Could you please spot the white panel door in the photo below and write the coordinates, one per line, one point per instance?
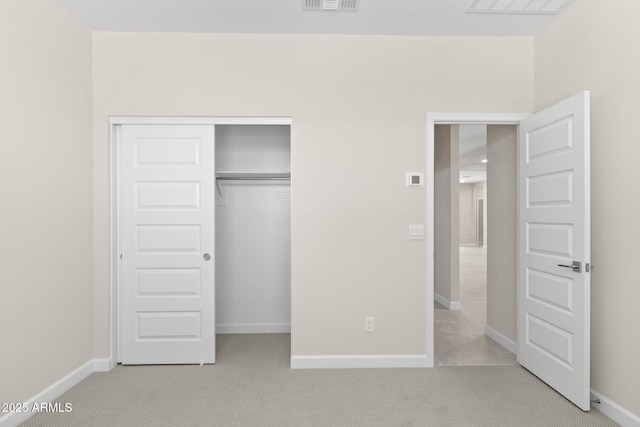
(167, 242)
(554, 233)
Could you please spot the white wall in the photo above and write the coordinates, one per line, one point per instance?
(359, 106)
(594, 46)
(45, 197)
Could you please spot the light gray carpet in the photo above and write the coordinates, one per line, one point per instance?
(252, 385)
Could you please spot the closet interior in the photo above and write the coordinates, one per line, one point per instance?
(253, 228)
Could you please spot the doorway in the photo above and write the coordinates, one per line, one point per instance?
(461, 332)
(455, 119)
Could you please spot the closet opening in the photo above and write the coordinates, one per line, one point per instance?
(253, 229)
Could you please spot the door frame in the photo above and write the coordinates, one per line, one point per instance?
(434, 119)
(115, 126)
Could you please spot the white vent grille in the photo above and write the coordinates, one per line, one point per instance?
(331, 5)
(540, 7)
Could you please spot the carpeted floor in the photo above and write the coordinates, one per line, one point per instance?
(252, 385)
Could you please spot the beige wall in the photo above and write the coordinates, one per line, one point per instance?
(502, 250)
(594, 46)
(467, 227)
(480, 192)
(446, 215)
(469, 195)
(359, 106)
(45, 197)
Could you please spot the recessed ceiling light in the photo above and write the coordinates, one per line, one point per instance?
(484, 160)
(543, 7)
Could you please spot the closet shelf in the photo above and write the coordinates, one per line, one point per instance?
(221, 176)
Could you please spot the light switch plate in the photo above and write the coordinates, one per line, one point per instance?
(416, 231)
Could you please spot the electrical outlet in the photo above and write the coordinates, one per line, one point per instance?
(368, 324)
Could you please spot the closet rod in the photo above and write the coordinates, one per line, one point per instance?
(255, 178)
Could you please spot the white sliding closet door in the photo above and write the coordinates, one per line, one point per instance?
(167, 240)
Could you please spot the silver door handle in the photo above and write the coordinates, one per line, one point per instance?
(575, 266)
(206, 257)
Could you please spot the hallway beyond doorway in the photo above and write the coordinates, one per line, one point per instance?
(459, 334)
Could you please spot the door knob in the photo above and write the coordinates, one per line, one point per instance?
(575, 266)
(206, 257)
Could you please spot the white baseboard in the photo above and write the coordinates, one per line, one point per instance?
(501, 339)
(352, 362)
(614, 411)
(49, 394)
(253, 328)
(451, 305)
(103, 365)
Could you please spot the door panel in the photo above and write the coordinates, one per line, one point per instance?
(168, 239)
(549, 239)
(167, 227)
(550, 340)
(550, 189)
(554, 231)
(168, 281)
(550, 289)
(550, 139)
(168, 195)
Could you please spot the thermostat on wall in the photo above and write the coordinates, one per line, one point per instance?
(415, 179)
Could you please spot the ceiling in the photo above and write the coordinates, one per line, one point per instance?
(373, 17)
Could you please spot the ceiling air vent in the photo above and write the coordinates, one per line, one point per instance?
(538, 7)
(331, 5)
